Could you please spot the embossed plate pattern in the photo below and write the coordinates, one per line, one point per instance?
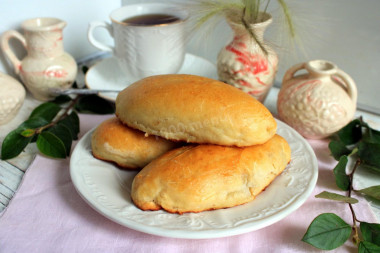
(107, 189)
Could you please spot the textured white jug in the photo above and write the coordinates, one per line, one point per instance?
(318, 103)
(12, 95)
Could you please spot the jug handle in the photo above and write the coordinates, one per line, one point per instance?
(349, 83)
(6, 36)
(347, 80)
(290, 72)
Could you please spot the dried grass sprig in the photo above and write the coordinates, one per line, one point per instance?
(247, 12)
(288, 17)
(252, 33)
(204, 10)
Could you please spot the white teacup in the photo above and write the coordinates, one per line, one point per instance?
(145, 50)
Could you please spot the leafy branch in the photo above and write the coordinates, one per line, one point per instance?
(356, 146)
(53, 126)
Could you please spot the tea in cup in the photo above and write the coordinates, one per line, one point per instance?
(149, 38)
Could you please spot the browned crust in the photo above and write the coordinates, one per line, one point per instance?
(129, 148)
(208, 177)
(195, 109)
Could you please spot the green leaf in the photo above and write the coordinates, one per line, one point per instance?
(368, 247)
(373, 191)
(32, 124)
(369, 167)
(50, 145)
(28, 132)
(370, 232)
(46, 111)
(374, 136)
(370, 135)
(14, 143)
(61, 99)
(327, 231)
(336, 197)
(34, 139)
(74, 118)
(370, 153)
(351, 133)
(72, 124)
(64, 134)
(94, 104)
(338, 149)
(342, 180)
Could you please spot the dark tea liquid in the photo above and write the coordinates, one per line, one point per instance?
(151, 19)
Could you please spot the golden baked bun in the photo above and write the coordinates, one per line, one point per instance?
(195, 109)
(129, 148)
(206, 177)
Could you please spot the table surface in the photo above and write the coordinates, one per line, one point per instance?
(12, 171)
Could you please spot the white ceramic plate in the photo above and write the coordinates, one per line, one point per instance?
(107, 189)
(107, 75)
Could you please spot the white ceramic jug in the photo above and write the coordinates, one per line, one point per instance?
(46, 64)
(318, 103)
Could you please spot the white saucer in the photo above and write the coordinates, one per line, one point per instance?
(107, 75)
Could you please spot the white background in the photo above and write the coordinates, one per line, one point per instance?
(346, 32)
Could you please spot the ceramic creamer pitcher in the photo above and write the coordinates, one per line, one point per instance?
(318, 103)
(46, 64)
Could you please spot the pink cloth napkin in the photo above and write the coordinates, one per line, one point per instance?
(48, 215)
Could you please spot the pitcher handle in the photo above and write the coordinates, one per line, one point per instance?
(290, 72)
(6, 36)
(95, 42)
(349, 83)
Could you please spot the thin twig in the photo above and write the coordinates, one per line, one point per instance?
(350, 189)
(63, 115)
